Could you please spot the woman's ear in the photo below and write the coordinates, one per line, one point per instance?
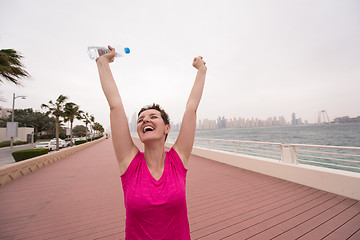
(167, 128)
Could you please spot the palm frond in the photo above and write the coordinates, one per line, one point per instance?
(11, 68)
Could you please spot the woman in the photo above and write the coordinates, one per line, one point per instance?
(153, 181)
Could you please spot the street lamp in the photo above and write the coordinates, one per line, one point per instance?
(12, 114)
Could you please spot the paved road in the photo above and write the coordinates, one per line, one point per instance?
(5, 153)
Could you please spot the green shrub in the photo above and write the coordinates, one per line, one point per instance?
(20, 143)
(62, 135)
(7, 143)
(47, 136)
(28, 153)
(4, 144)
(80, 142)
(98, 137)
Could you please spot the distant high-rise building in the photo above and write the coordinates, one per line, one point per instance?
(293, 119)
(221, 122)
(282, 121)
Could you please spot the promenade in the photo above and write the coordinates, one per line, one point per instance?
(81, 197)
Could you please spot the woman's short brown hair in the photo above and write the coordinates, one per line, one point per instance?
(157, 107)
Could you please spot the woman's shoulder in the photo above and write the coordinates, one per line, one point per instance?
(173, 153)
(134, 163)
(174, 157)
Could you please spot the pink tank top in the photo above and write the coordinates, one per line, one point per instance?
(156, 209)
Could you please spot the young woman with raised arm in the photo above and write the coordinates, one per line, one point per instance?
(154, 180)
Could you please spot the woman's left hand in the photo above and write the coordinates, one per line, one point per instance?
(199, 63)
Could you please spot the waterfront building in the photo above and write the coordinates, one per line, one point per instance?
(293, 119)
(347, 119)
(223, 122)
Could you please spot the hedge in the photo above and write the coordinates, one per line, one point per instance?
(88, 140)
(7, 143)
(80, 142)
(28, 153)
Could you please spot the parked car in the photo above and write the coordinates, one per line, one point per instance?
(68, 140)
(62, 143)
(47, 145)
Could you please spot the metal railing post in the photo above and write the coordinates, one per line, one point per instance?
(288, 154)
(294, 155)
(235, 150)
(282, 154)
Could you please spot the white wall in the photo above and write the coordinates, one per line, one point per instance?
(22, 133)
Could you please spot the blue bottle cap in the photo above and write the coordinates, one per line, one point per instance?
(127, 50)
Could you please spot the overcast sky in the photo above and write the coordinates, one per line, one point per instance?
(264, 58)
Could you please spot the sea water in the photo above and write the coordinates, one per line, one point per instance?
(325, 134)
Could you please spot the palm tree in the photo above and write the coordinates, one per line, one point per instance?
(98, 127)
(87, 120)
(56, 109)
(71, 111)
(11, 68)
(92, 120)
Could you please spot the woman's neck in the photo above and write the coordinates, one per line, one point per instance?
(155, 156)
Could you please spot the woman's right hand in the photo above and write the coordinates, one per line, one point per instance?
(199, 63)
(109, 57)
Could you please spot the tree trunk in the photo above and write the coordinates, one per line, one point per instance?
(71, 141)
(57, 132)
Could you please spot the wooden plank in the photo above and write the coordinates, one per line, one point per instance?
(312, 224)
(347, 231)
(347, 211)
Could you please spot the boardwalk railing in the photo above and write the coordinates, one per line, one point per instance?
(335, 157)
(261, 149)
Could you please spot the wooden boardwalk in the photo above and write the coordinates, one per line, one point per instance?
(81, 197)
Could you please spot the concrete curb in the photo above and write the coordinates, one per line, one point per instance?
(13, 171)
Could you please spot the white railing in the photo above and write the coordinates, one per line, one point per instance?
(262, 149)
(336, 157)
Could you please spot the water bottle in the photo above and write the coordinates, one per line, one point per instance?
(95, 52)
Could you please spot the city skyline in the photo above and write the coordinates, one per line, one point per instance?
(239, 122)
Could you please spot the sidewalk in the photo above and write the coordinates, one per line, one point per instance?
(81, 197)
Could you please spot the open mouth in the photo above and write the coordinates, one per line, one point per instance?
(148, 129)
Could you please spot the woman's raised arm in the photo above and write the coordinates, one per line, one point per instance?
(185, 140)
(125, 148)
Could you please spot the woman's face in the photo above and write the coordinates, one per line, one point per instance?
(150, 126)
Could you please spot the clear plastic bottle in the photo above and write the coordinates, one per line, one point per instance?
(95, 52)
